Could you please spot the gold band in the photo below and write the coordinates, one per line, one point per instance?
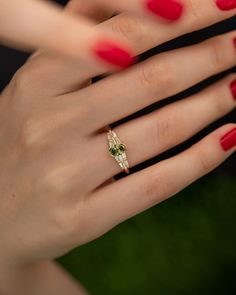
(117, 150)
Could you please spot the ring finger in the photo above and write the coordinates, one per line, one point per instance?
(150, 135)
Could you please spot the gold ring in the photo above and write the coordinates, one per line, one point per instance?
(117, 150)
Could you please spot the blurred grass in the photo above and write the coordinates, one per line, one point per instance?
(186, 245)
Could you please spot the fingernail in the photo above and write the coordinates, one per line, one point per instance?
(113, 54)
(234, 42)
(226, 4)
(233, 88)
(228, 141)
(168, 9)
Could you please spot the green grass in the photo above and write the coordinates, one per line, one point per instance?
(186, 245)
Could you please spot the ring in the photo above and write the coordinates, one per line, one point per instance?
(117, 150)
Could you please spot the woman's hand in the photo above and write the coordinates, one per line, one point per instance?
(56, 172)
(36, 23)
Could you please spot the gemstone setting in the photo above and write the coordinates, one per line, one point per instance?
(117, 149)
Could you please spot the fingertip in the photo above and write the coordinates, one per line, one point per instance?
(228, 139)
(114, 54)
(170, 10)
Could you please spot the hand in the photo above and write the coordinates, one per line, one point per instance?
(35, 23)
(54, 159)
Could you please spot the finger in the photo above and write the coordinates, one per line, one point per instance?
(138, 192)
(144, 36)
(61, 75)
(167, 10)
(161, 130)
(92, 10)
(39, 24)
(155, 79)
(199, 14)
(66, 77)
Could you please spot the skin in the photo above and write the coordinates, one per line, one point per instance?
(56, 182)
(31, 24)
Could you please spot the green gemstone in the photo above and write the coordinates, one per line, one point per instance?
(113, 151)
(122, 148)
(117, 150)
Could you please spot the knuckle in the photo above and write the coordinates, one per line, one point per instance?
(163, 131)
(152, 74)
(127, 26)
(147, 77)
(32, 133)
(196, 10)
(38, 127)
(201, 17)
(56, 182)
(216, 49)
(63, 178)
(221, 104)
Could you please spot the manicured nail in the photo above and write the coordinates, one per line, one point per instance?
(168, 9)
(234, 42)
(226, 4)
(228, 141)
(113, 54)
(233, 88)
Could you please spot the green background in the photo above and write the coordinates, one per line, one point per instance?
(186, 245)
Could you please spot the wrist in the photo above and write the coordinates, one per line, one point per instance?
(14, 276)
(44, 277)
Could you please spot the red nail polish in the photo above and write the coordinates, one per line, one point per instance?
(113, 54)
(234, 42)
(168, 9)
(233, 88)
(226, 4)
(228, 141)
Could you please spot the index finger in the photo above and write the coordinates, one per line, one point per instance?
(32, 24)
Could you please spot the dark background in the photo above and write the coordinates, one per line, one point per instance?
(185, 245)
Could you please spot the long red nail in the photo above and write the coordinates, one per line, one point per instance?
(113, 54)
(233, 88)
(228, 141)
(226, 4)
(168, 9)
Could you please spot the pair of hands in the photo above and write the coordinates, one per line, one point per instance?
(72, 32)
(36, 23)
(56, 182)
